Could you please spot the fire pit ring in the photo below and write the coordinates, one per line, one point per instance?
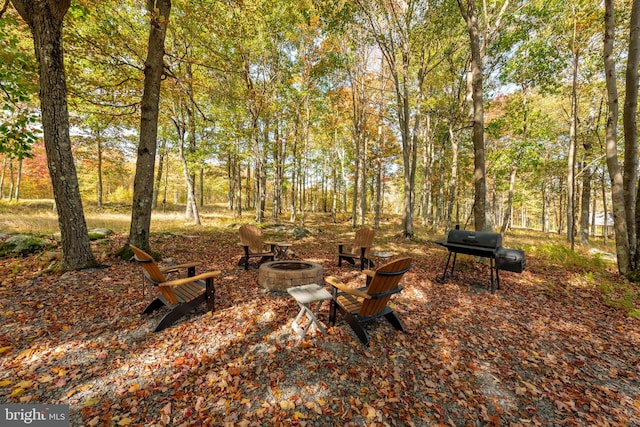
(281, 275)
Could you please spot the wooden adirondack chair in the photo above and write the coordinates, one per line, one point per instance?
(359, 306)
(181, 295)
(359, 248)
(251, 241)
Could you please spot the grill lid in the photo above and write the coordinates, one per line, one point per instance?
(475, 238)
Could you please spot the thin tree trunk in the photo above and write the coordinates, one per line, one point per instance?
(18, 180)
(512, 186)
(231, 181)
(145, 163)
(427, 161)
(604, 209)
(4, 169)
(453, 179)
(631, 133)
(573, 132)
(99, 187)
(201, 186)
(593, 216)
(158, 181)
(543, 195)
(12, 181)
(363, 183)
(617, 187)
(192, 206)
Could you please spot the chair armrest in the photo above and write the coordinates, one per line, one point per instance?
(186, 280)
(174, 268)
(344, 288)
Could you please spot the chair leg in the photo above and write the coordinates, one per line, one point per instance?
(332, 308)
(177, 313)
(154, 305)
(395, 321)
(348, 259)
(210, 293)
(357, 328)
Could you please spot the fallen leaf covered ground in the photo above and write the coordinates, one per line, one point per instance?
(540, 351)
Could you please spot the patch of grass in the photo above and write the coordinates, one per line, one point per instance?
(560, 254)
(623, 296)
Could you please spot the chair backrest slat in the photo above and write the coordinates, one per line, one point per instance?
(364, 238)
(385, 279)
(251, 236)
(151, 269)
(153, 273)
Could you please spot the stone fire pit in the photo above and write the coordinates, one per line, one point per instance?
(280, 275)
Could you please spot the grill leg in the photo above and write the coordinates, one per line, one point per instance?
(446, 267)
(493, 268)
(453, 266)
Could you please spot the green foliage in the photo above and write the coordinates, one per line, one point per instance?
(121, 195)
(18, 87)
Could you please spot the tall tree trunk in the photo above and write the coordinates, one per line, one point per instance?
(201, 186)
(4, 170)
(427, 162)
(358, 115)
(585, 204)
(437, 220)
(99, 188)
(469, 13)
(45, 18)
(587, 174)
(593, 213)
(453, 180)
(239, 185)
(605, 225)
(153, 70)
(191, 212)
(294, 168)
(158, 181)
(18, 179)
(363, 182)
(512, 187)
(573, 136)
(631, 131)
(277, 173)
(617, 187)
(191, 208)
(545, 203)
(506, 222)
(12, 181)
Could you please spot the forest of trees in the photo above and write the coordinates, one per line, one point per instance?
(488, 114)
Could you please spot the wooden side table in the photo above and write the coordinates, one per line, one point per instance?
(280, 250)
(381, 257)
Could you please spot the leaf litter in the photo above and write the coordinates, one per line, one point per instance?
(522, 356)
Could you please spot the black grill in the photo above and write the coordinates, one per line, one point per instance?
(474, 239)
(482, 244)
